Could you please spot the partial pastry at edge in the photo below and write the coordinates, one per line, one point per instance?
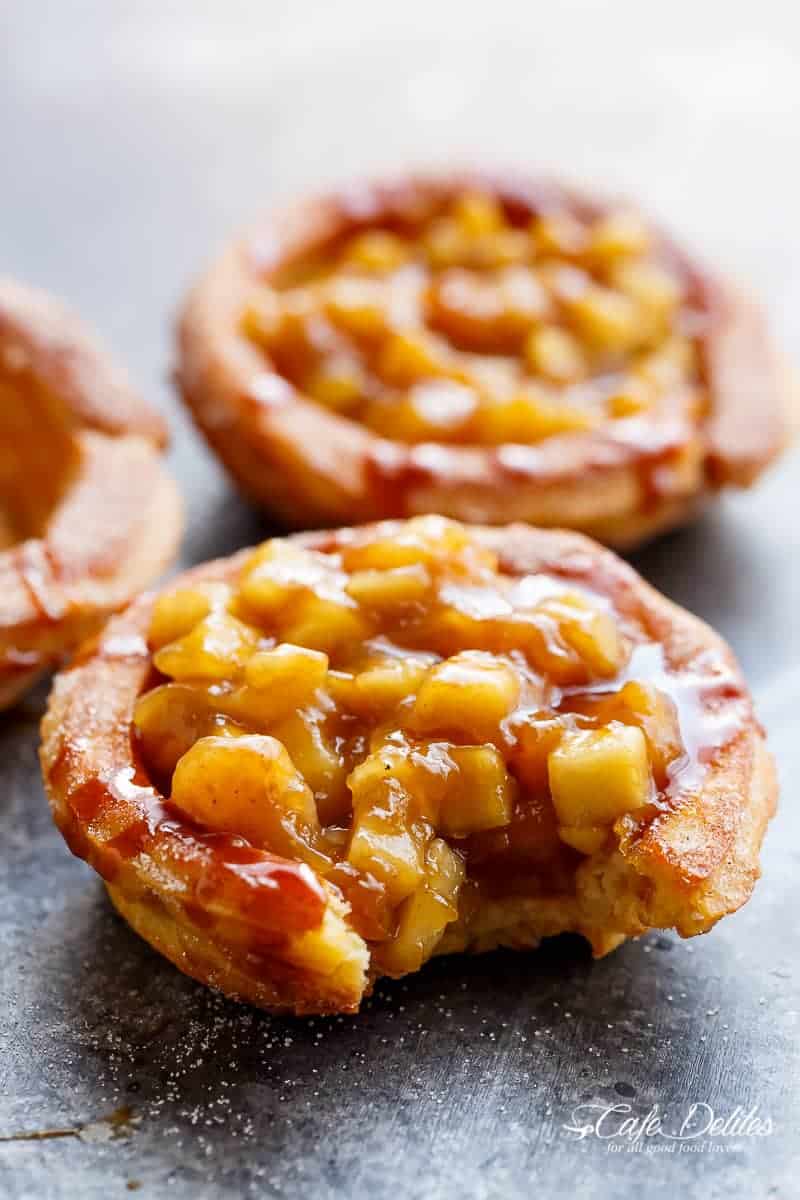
(88, 514)
(492, 348)
(322, 761)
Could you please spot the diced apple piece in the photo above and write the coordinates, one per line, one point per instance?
(655, 713)
(505, 248)
(424, 916)
(376, 250)
(383, 553)
(393, 856)
(607, 319)
(296, 670)
(448, 628)
(486, 314)
(276, 683)
(383, 845)
(585, 838)
(559, 235)
(261, 317)
(176, 613)
(300, 336)
(370, 915)
(471, 692)
(591, 631)
(333, 948)
(480, 796)
(555, 353)
(407, 357)
(324, 768)
(618, 235)
(477, 213)
(475, 234)
(324, 623)
(536, 736)
(655, 291)
(445, 243)
(390, 589)
(596, 775)
(438, 537)
(528, 417)
(421, 540)
(250, 786)
(538, 635)
(337, 383)
(634, 397)
(445, 871)
(383, 685)
(168, 721)
(218, 647)
(358, 307)
(403, 779)
(275, 573)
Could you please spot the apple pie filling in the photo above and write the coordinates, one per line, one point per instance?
(426, 732)
(476, 325)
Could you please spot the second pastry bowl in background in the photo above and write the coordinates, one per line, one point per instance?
(490, 347)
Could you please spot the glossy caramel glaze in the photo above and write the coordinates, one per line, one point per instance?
(89, 512)
(489, 348)
(434, 688)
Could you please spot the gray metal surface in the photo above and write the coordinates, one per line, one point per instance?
(133, 137)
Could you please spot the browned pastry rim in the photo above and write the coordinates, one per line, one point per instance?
(219, 908)
(93, 515)
(311, 466)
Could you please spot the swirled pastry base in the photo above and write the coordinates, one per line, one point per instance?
(275, 932)
(312, 463)
(90, 515)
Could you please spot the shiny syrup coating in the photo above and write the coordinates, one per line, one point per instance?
(474, 604)
(525, 323)
(113, 814)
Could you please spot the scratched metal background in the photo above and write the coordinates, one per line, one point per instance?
(133, 137)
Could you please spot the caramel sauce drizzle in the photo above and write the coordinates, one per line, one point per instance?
(224, 873)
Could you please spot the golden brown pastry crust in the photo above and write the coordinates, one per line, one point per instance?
(220, 909)
(94, 516)
(311, 466)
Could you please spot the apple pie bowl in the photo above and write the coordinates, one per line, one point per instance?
(492, 349)
(324, 760)
(88, 515)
